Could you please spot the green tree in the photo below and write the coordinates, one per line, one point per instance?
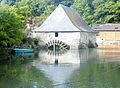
(109, 12)
(85, 8)
(11, 25)
(37, 7)
(64, 2)
(98, 11)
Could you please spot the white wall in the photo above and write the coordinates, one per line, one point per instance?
(72, 38)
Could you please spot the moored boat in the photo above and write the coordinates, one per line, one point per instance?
(18, 50)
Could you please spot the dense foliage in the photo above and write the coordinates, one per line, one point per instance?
(98, 11)
(14, 14)
(12, 21)
(93, 11)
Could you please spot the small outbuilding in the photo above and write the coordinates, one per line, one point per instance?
(108, 36)
(64, 28)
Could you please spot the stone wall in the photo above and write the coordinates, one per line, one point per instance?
(87, 40)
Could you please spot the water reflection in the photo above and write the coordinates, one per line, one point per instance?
(57, 53)
(70, 57)
(109, 55)
(96, 75)
(68, 63)
(22, 76)
(85, 68)
(24, 54)
(58, 74)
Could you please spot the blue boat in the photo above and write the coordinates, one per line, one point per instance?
(17, 50)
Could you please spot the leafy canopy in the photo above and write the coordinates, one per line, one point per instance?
(12, 21)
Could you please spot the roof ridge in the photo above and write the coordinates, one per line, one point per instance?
(72, 21)
(63, 7)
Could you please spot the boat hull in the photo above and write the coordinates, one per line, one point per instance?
(17, 50)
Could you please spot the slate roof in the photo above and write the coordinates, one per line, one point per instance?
(64, 19)
(107, 27)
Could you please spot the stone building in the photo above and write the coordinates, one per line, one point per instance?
(108, 36)
(64, 28)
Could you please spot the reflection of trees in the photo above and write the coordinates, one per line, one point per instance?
(96, 75)
(22, 76)
(4, 56)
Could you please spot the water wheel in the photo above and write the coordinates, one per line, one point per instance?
(60, 47)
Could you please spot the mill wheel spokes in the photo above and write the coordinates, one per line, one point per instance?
(60, 47)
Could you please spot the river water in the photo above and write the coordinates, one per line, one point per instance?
(85, 68)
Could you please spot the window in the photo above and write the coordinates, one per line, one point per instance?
(56, 34)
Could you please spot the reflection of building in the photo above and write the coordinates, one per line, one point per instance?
(68, 64)
(66, 25)
(58, 74)
(109, 35)
(69, 57)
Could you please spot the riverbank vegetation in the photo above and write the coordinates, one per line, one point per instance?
(17, 16)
